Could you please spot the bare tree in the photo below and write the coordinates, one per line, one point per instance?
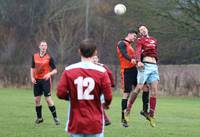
(63, 26)
(185, 14)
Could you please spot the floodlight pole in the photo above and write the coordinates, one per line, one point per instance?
(87, 18)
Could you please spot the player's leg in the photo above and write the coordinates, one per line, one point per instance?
(154, 88)
(52, 108)
(130, 80)
(124, 98)
(133, 97)
(153, 98)
(153, 79)
(145, 101)
(124, 106)
(106, 117)
(141, 78)
(37, 98)
(49, 100)
(38, 109)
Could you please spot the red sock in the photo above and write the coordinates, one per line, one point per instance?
(152, 106)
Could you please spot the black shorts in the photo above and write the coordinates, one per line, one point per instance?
(130, 79)
(42, 86)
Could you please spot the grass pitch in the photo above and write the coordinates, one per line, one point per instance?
(176, 117)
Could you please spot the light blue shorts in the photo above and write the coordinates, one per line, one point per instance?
(149, 74)
(83, 135)
(102, 99)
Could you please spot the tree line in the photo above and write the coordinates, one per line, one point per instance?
(62, 23)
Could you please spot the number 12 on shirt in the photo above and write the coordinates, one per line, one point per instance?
(87, 82)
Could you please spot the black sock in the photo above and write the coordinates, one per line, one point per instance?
(124, 106)
(38, 111)
(145, 100)
(53, 111)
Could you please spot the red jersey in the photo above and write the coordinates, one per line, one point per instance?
(146, 46)
(85, 82)
(125, 59)
(42, 65)
(109, 74)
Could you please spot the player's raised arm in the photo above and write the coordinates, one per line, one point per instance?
(138, 50)
(139, 54)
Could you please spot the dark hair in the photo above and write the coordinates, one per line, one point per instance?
(141, 24)
(132, 31)
(42, 41)
(87, 48)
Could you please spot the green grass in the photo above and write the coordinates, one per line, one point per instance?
(176, 117)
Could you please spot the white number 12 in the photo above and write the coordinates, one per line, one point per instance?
(86, 82)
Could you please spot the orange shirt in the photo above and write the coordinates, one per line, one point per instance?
(124, 62)
(42, 65)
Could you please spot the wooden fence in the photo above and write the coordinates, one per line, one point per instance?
(175, 80)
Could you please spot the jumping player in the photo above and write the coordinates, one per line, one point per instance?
(126, 55)
(147, 71)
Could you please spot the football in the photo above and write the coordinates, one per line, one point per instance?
(120, 9)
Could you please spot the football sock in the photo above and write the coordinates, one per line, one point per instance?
(152, 106)
(53, 111)
(145, 100)
(132, 100)
(38, 111)
(124, 106)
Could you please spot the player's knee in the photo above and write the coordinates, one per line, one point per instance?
(126, 95)
(153, 93)
(138, 88)
(37, 101)
(49, 101)
(145, 88)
